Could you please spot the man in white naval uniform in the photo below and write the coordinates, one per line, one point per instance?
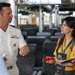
(10, 40)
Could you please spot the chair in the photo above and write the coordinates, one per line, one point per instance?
(58, 34)
(46, 34)
(54, 38)
(26, 64)
(38, 40)
(24, 34)
(48, 49)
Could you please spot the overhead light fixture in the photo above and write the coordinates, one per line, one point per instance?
(40, 1)
(64, 12)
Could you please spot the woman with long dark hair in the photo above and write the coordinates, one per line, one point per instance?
(65, 48)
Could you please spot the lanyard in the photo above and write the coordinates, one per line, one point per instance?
(67, 46)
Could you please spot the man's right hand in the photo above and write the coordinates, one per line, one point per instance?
(4, 57)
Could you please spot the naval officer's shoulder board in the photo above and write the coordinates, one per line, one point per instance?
(15, 26)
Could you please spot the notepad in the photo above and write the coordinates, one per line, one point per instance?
(67, 61)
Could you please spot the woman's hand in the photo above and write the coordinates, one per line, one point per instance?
(58, 61)
(73, 61)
